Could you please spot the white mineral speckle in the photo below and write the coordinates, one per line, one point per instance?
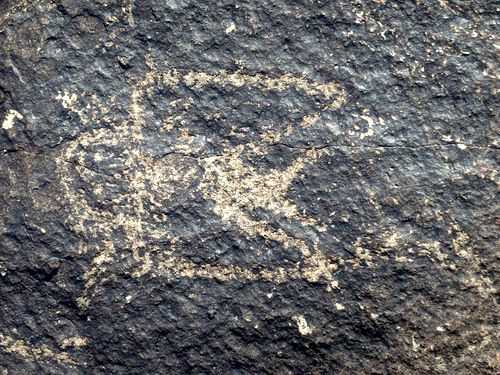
(302, 324)
(9, 120)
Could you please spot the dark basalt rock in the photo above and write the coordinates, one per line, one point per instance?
(250, 187)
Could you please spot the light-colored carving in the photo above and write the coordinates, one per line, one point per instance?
(234, 186)
(34, 353)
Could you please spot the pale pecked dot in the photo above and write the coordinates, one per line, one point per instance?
(302, 325)
(9, 119)
(230, 28)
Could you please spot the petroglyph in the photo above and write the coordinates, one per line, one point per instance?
(135, 185)
(125, 178)
(261, 182)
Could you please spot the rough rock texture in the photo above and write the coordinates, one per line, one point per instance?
(249, 187)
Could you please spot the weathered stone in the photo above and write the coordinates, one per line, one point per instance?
(218, 187)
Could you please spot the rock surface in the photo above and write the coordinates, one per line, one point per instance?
(249, 187)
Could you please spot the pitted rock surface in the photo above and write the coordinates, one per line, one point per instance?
(249, 187)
